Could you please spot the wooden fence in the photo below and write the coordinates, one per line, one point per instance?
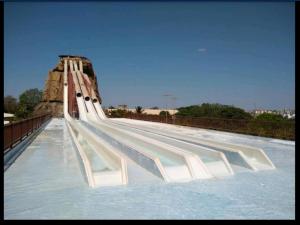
(280, 129)
(15, 132)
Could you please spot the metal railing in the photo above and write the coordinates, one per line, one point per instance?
(15, 132)
(280, 129)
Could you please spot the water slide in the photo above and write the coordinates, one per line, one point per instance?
(95, 100)
(102, 164)
(87, 107)
(79, 99)
(174, 163)
(164, 153)
(86, 84)
(170, 162)
(215, 161)
(242, 155)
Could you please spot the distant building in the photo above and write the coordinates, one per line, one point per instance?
(124, 107)
(290, 114)
(147, 111)
(257, 112)
(156, 111)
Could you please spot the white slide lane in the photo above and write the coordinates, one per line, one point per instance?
(103, 165)
(215, 161)
(250, 157)
(79, 98)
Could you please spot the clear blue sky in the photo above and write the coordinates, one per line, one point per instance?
(231, 53)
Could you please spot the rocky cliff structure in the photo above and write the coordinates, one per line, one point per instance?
(52, 101)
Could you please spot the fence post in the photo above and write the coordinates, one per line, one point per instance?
(20, 135)
(12, 138)
(21, 130)
(26, 130)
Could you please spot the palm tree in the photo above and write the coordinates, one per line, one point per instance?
(139, 109)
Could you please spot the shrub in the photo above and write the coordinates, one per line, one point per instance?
(163, 113)
(270, 117)
(214, 110)
(118, 113)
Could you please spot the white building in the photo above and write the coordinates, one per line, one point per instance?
(290, 114)
(8, 115)
(150, 111)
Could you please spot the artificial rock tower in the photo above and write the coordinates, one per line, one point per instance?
(52, 101)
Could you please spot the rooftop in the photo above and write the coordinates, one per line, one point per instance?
(72, 56)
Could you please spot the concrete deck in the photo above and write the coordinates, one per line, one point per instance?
(46, 182)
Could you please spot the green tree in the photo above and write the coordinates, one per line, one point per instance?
(214, 110)
(10, 104)
(30, 98)
(155, 107)
(22, 112)
(270, 117)
(139, 109)
(27, 101)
